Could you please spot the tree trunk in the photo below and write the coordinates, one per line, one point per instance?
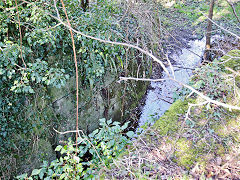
(209, 29)
(84, 4)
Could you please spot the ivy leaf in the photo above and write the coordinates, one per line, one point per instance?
(13, 88)
(67, 76)
(2, 71)
(63, 176)
(94, 133)
(130, 134)
(31, 90)
(47, 82)
(58, 148)
(44, 78)
(36, 172)
(41, 174)
(23, 176)
(115, 123)
(125, 125)
(102, 121)
(109, 122)
(91, 83)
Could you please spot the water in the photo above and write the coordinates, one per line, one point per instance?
(160, 97)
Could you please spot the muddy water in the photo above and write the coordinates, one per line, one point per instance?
(160, 97)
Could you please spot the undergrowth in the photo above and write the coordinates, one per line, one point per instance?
(202, 144)
(95, 151)
(177, 147)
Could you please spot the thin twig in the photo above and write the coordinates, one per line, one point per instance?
(234, 11)
(139, 79)
(16, 7)
(228, 106)
(171, 67)
(20, 33)
(52, 27)
(234, 72)
(76, 67)
(77, 132)
(114, 43)
(55, 6)
(66, 132)
(220, 26)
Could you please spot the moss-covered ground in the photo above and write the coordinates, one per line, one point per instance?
(205, 143)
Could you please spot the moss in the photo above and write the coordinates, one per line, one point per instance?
(126, 153)
(103, 176)
(231, 128)
(168, 122)
(40, 150)
(185, 153)
(233, 60)
(202, 147)
(214, 132)
(220, 150)
(139, 89)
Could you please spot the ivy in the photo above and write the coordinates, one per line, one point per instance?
(46, 50)
(104, 144)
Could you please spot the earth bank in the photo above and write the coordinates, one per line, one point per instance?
(192, 140)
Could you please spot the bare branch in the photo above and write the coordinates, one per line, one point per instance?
(76, 68)
(139, 79)
(234, 10)
(220, 26)
(188, 113)
(67, 132)
(171, 67)
(234, 72)
(55, 6)
(114, 43)
(228, 106)
(78, 133)
(20, 33)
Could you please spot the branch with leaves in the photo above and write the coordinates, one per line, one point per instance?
(231, 107)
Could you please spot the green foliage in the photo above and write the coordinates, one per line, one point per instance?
(96, 57)
(16, 85)
(231, 60)
(103, 145)
(196, 12)
(47, 52)
(24, 80)
(209, 79)
(194, 6)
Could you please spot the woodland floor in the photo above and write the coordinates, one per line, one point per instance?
(207, 145)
